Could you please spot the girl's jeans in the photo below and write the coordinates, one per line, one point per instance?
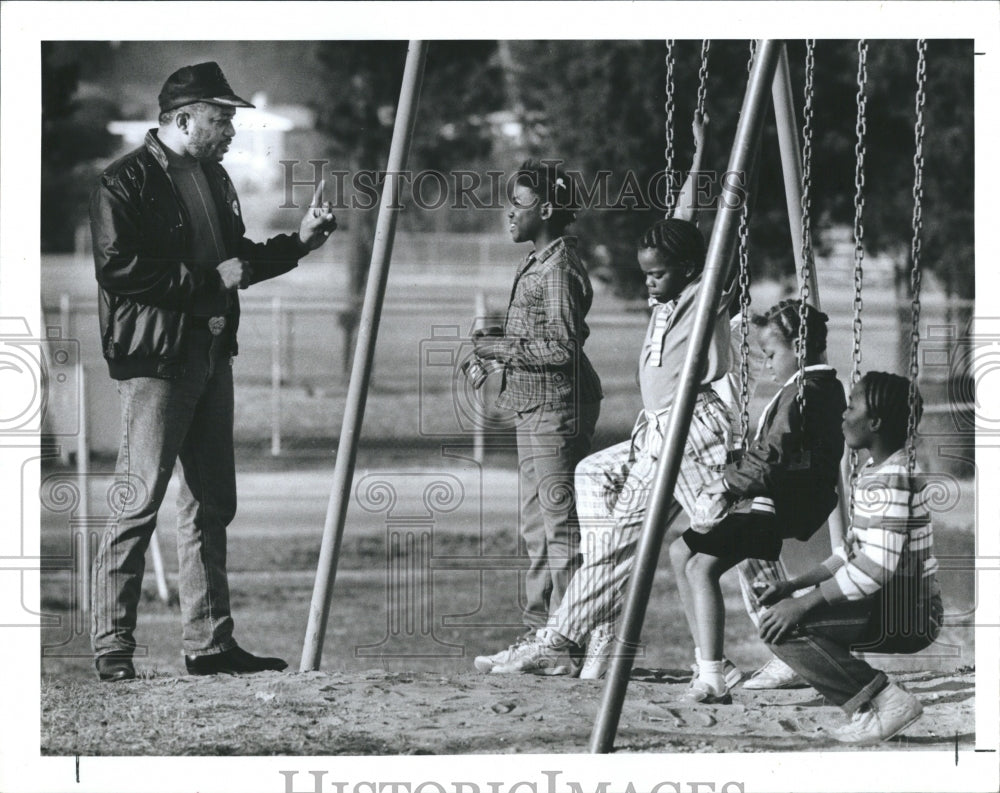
(189, 418)
(884, 623)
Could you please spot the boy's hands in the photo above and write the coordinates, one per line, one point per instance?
(773, 591)
(779, 620)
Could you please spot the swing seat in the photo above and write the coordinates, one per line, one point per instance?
(906, 617)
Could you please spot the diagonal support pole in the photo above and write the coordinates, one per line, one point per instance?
(364, 355)
(721, 249)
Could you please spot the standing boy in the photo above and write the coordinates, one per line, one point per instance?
(547, 381)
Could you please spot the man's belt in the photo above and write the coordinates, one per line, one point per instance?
(214, 325)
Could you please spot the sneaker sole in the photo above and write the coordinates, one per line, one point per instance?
(553, 671)
(712, 699)
(890, 736)
(749, 685)
(906, 726)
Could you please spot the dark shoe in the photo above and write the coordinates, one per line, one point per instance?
(112, 668)
(235, 661)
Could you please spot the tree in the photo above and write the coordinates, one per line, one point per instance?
(461, 83)
(606, 112)
(74, 139)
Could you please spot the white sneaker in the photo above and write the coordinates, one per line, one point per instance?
(887, 715)
(599, 647)
(485, 663)
(775, 674)
(549, 654)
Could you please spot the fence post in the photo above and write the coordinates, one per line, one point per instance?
(478, 439)
(288, 347)
(83, 475)
(275, 376)
(65, 318)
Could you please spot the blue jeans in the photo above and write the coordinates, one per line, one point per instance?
(189, 418)
(550, 443)
(820, 651)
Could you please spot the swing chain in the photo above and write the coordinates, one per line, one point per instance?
(859, 204)
(918, 195)
(805, 274)
(859, 230)
(744, 275)
(703, 76)
(668, 153)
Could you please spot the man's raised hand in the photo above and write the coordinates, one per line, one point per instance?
(319, 221)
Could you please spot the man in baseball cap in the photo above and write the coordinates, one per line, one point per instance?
(170, 253)
(203, 82)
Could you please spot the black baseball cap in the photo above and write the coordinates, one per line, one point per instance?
(203, 82)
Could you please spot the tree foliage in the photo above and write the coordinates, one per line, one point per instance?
(74, 138)
(604, 105)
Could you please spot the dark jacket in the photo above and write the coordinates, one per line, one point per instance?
(141, 240)
(799, 472)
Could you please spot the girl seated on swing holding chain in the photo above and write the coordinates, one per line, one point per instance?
(878, 591)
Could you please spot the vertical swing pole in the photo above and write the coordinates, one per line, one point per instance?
(791, 162)
(357, 391)
(791, 168)
(720, 254)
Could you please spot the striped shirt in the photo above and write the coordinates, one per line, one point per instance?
(890, 534)
(544, 331)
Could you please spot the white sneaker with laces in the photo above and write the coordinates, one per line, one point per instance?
(888, 714)
(775, 674)
(599, 647)
(549, 654)
(485, 663)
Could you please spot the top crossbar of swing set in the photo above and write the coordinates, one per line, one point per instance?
(769, 70)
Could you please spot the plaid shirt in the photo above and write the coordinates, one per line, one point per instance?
(544, 332)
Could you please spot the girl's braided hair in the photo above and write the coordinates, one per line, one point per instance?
(784, 319)
(678, 239)
(887, 398)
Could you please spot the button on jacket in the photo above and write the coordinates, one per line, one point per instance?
(147, 284)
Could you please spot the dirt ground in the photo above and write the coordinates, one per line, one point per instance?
(385, 713)
(397, 673)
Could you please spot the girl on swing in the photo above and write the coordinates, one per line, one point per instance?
(878, 591)
(784, 485)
